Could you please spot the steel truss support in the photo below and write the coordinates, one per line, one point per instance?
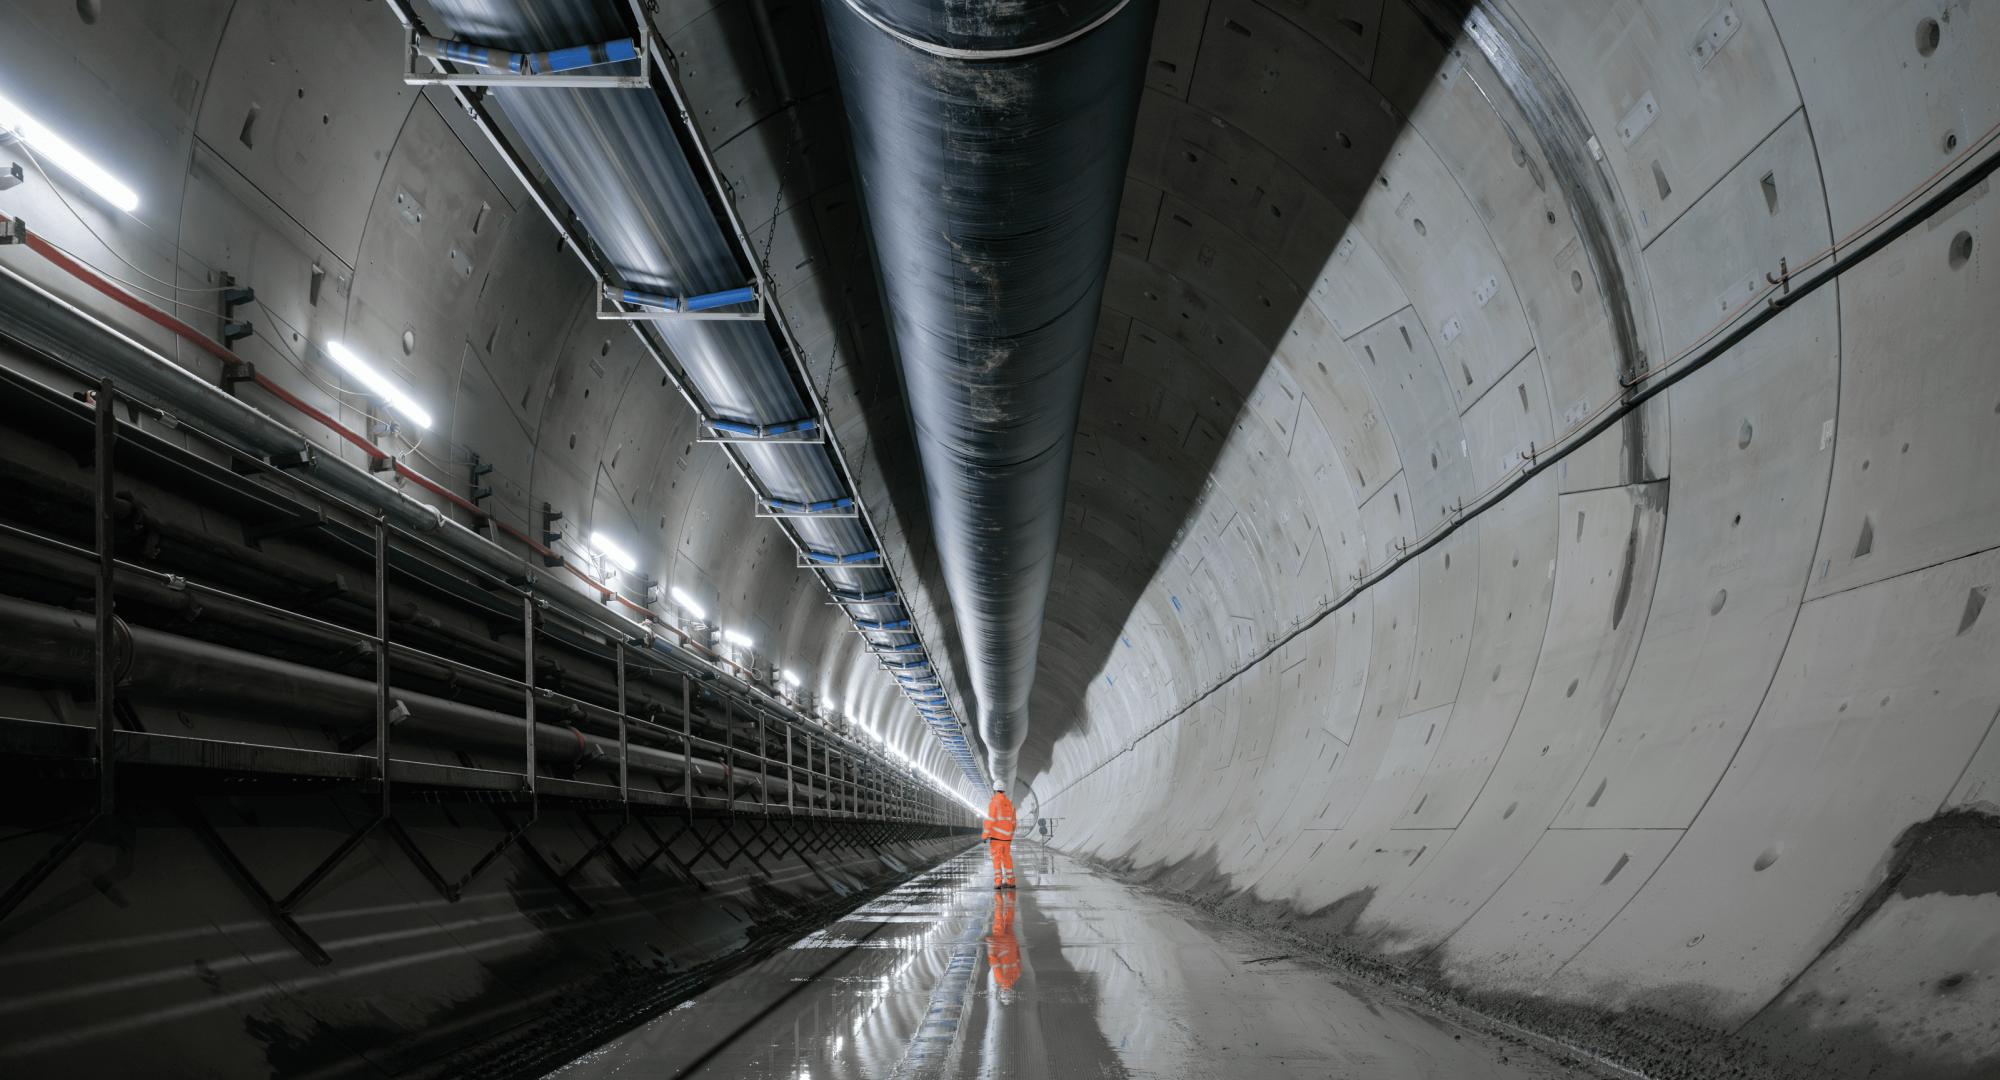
(278, 910)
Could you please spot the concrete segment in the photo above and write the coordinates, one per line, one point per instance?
(1685, 751)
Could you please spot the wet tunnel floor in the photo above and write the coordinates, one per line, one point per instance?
(1074, 975)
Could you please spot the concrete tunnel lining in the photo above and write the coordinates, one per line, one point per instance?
(1684, 748)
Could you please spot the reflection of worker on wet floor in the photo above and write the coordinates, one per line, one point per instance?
(999, 835)
(1003, 950)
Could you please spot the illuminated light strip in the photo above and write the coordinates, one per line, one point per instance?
(378, 384)
(687, 603)
(58, 152)
(618, 556)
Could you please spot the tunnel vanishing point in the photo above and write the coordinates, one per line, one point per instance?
(530, 531)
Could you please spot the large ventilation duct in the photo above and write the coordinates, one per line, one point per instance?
(991, 144)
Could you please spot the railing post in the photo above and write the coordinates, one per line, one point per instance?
(624, 771)
(687, 742)
(528, 677)
(763, 766)
(791, 783)
(107, 562)
(729, 751)
(382, 657)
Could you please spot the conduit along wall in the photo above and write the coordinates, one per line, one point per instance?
(478, 914)
(990, 149)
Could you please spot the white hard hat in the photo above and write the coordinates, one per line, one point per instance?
(999, 787)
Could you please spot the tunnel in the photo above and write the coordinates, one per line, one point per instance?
(563, 538)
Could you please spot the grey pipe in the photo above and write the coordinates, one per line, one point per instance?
(51, 643)
(45, 322)
(196, 602)
(991, 143)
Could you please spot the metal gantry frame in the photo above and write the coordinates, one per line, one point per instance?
(108, 744)
(659, 77)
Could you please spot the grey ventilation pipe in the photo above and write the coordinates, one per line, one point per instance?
(54, 644)
(991, 142)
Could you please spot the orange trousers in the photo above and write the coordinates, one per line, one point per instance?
(1003, 949)
(1003, 860)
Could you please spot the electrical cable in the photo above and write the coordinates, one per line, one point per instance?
(85, 222)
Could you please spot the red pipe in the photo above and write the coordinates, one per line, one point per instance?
(154, 315)
(145, 310)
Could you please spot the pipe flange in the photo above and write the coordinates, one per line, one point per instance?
(949, 52)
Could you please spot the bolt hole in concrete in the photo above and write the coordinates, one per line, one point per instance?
(88, 11)
(1764, 860)
(1950, 141)
(1721, 598)
(1576, 280)
(1929, 33)
(1961, 250)
(409, 342)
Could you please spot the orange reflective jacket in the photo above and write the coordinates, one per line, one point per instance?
(999, 818)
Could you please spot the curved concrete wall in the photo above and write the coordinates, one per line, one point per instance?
(1691, 735)
(1686, 734)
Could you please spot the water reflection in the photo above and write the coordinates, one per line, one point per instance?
(1003, 950)
(944, 976)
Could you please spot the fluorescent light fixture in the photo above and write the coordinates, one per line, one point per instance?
(378, 384)
(618, 556)
(53, 149)
(791, 680)
(687, 604)
(738, 637)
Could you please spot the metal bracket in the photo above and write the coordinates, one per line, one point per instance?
(550, 535)
(786, 509)
(240, 371)
(807, 563)
(814, 439)
(612, 309)
(806, 431)
(233, 297)
(440, 77)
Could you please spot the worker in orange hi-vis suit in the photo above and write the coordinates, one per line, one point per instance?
(1003, 949)
(1000, 837)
